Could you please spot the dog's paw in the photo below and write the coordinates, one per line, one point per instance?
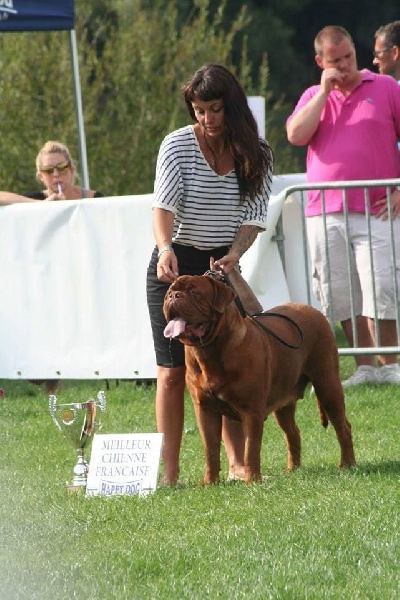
(234, 477)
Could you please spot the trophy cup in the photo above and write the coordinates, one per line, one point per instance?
(78, 421)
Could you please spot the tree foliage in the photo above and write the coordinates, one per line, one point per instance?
(286, 29)
(133, 58)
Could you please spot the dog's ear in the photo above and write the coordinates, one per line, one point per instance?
(224, 295)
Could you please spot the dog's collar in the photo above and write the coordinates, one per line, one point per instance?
(220, 275)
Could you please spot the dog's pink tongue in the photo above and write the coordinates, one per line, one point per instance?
(175, 328)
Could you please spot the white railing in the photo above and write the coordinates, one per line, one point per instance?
(300, 191)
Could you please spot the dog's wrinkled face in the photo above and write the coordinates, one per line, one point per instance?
(193, 305)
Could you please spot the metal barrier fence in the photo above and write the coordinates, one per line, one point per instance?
(344, 186)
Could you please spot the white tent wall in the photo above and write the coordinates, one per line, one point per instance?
(73, 300)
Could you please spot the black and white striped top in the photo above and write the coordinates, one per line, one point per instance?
(206, 205)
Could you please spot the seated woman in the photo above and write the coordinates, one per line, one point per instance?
(55, 169)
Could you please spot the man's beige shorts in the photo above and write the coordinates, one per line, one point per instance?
(356, 268)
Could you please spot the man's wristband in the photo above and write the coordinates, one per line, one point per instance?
(165, 249)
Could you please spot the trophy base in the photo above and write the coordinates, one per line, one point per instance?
(76, 489)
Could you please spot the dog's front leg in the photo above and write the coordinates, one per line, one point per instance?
(253, 426)
(210, 427)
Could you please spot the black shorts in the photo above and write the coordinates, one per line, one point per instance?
(191, 261)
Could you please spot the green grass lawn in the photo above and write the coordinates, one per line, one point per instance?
(316, 533)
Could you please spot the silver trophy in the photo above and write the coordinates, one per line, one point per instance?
(78, 421)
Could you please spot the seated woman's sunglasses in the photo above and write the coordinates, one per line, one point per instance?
(61, 167)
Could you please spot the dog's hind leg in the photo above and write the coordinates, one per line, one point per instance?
(285, 417)
(337, 416)
(343, 434)
(331, 401)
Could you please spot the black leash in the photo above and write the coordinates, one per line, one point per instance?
(221, 276)
(267, 330)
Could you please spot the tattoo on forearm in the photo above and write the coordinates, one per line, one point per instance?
(244, 238)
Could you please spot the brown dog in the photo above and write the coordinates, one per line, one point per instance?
(238, 369)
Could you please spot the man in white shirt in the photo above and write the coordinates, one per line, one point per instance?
(387, 49)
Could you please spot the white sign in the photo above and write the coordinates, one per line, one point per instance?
(257, 107)
(124, 464)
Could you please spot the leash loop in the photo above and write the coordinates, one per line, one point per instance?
(274, 335)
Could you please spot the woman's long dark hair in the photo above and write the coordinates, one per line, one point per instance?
(253, 156)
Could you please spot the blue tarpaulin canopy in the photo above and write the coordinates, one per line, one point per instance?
(49, 15)
(36, 15)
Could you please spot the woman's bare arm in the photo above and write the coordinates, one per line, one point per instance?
(11, 198)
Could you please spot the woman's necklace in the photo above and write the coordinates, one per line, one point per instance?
(213, 160)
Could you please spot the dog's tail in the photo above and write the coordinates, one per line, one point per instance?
(322, 415)
(246, 295)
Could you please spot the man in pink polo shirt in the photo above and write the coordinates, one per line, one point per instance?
(351, 123)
